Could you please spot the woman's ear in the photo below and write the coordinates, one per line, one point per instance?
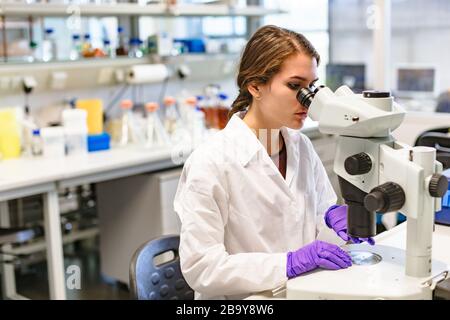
(254, 91)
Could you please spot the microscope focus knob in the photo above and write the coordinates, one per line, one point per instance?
(385, 198)
(358, 164)
(438, 185)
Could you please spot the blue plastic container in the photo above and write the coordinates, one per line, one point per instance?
(99, 142)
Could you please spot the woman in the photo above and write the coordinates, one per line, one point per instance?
(253, 198)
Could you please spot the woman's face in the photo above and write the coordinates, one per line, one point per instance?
(278, 102)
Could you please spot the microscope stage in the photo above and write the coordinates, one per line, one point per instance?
(368, 278)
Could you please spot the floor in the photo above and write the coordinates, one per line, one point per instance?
(32, 279)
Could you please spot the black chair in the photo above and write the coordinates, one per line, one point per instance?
(440, 140)
(443, 102)
(158, 282)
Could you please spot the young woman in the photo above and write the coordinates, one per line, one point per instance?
(253, 198)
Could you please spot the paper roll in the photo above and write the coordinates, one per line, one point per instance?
(148, 73)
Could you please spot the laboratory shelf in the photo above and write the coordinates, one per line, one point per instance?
(132, 9)
(92, 72)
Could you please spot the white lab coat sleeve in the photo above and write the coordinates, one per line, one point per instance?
(205, 263)
(325, 195)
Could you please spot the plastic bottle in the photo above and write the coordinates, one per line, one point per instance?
(75, 131)
(49, 51)
(36, 143)
(126, 133)
(196, 119)
(186, 105)
(53, 143)
(156, 134)
(75, 50)
(9, 134)
(122, 48)
(172, 118)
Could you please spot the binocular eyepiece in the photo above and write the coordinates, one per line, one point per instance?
(306, 95)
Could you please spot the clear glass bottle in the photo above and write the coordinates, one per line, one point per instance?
(49, 51)
(135, 48)
(33, 52)
(75, 50)
(107, 49)
(86, 47)
(210, 106)
(222, 110)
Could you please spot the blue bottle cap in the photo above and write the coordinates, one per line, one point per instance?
(222, 96)
(87, 36)
(106, 41)
(36, 132)
(49, 30)
(75, 36)
(120, 29)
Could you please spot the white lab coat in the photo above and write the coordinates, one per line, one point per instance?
(240, 216)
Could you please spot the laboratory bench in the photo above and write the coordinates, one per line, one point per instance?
(395, 237)
(25, 177)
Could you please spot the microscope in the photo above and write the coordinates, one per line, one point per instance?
(377, 174)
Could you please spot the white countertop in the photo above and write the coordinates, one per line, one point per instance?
(22, 172)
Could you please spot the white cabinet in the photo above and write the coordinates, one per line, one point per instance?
(132, 211)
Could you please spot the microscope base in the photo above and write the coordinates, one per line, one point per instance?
(384, 280)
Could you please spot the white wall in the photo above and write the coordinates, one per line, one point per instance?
(421, 34)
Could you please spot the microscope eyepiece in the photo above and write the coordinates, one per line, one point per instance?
(306, 95)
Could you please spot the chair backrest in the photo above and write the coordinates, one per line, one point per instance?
(158, 282)
(439, 140)
(443, 102)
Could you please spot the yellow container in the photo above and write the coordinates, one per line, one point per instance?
(94, 109)
(9, 135)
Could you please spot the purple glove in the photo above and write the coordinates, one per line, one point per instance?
(317, 254)
(336, 218)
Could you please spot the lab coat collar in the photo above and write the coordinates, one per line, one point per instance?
(247, 144)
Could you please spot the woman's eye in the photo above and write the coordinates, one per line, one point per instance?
(293, 86)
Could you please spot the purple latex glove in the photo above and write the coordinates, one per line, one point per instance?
(336, 218)
(317, 254)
